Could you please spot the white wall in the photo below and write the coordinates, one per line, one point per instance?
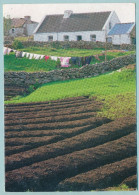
(113, 18)
(121, 39)
(100, 36)
(31, 28)
(17, 32)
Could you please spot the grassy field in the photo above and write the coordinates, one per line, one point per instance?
(11, 63)
(115, 89)
(70, 52)
(23, 38)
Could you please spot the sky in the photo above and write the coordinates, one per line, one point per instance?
(125, 11)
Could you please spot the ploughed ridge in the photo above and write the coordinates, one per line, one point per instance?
(64, 146)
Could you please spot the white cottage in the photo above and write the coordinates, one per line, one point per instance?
(76, 26)
(122, 34)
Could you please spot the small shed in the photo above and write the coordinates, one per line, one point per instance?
(121, 33)
(22, 26)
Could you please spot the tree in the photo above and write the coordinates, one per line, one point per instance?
(7, 24)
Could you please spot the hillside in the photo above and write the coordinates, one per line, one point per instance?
(116, 90)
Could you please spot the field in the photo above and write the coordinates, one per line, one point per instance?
(11, 63)
(67, 147)
(75, 135)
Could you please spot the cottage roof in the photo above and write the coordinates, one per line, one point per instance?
(19, 22)
(76, 22)
(121, 28)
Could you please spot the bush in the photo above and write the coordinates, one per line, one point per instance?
(17, 44)
(58, 63)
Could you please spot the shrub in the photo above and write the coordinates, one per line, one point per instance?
(17, 44)
(58, 63)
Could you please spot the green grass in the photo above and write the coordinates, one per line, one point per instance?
(23, 38)
(11, 63)
(116, 90)
(71, 52)
(122, 187)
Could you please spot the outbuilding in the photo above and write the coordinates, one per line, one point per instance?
(22, 26)
(122, 33)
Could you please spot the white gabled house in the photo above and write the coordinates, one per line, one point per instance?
(121, 33)
(76, 26)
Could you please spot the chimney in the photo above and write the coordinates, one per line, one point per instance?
(27, 18)
(67, 13)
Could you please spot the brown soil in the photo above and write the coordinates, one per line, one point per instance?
(11, 91)
(60, 112)
(100, 178)
(37, 175)
(47, 107)
(52, 126)
(37, 133)
(48, 143)
(131, 181)
(92, 138)
(52, 102)
(51, 119)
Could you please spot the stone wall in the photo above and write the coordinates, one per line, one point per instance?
(77, 44)
(26, 79)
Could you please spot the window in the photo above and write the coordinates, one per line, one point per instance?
(79, 38)
(66, 38)
(133, 40)
(93, 38)
(12, 30)
(50, 38)
(109, 25)
(109, 39)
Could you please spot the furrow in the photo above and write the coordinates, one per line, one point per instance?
(131, 181)
(56, 169)
(100, 178)
(92, 138)
(39, 114)
(69, 132)
(48, 107)
(53, 126)
(52, 104)
(47, 102)
(50, 119)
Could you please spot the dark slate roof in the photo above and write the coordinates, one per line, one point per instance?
(121, 28)
(76, 22)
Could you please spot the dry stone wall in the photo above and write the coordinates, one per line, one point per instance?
(75, 44)
(26, 79)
